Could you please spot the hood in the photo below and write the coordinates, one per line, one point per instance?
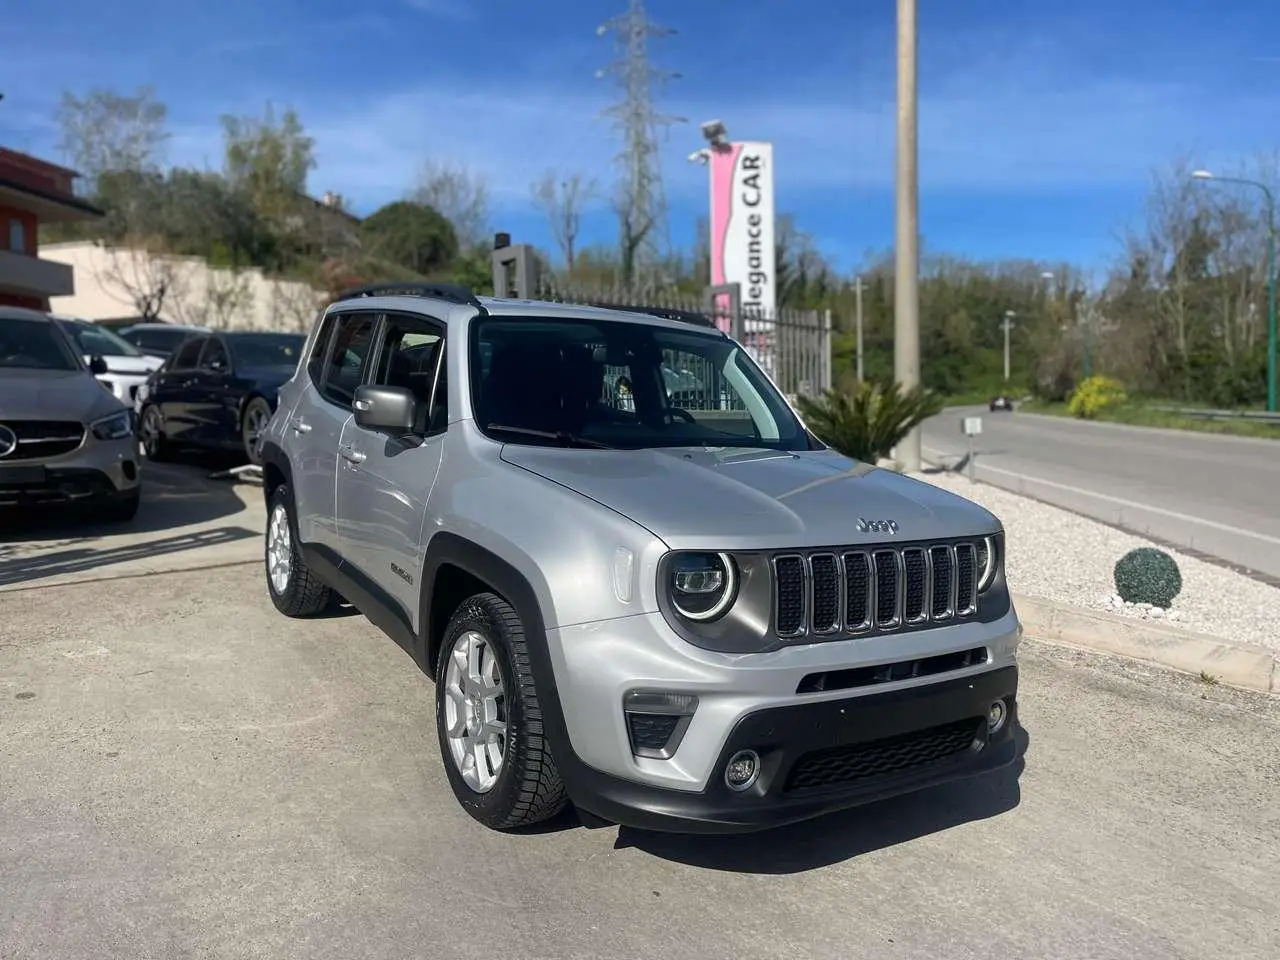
(54, 395)
(131, 365)
(731, 499)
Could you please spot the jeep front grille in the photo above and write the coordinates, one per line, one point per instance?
(38, 439)
(852, 591)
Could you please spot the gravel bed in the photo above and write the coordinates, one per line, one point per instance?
(1058, 555)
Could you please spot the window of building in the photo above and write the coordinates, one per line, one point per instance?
(17, 236)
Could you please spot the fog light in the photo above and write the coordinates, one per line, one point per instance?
(996, 715)
(743, 768)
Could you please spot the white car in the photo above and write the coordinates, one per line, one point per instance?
(127, 366)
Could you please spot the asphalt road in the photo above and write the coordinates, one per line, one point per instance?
(183, 773)
(1211, 493)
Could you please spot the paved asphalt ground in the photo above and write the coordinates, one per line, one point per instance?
(184, 773)
(1216, 494)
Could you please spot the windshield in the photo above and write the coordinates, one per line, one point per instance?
(33, 345)
(98, 341)
(266, 349)
(594, 383)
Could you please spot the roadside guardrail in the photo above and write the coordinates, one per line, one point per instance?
(1258, 416)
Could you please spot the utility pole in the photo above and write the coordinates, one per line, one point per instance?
(906, 279)
(858, 321)
(1007, 324)
(642, 207)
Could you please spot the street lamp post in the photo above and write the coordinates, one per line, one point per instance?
(1271, 276)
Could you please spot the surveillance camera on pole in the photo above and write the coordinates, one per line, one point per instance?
(715, 133)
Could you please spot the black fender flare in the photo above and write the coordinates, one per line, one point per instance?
(274, 456)
(485, 565)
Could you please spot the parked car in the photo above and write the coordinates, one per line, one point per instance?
(216, 392)
(159, 340)
(127, 366)
(1001, 403)
(64, 440)
(695, 619)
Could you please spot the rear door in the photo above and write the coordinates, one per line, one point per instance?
(338, 365)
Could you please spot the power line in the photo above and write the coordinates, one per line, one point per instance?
(643, 205)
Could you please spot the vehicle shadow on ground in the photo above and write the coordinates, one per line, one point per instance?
(842, 836)
(36, 544)
(18, 567)
(173, 495)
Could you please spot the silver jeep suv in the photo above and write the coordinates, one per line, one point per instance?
(690, 618)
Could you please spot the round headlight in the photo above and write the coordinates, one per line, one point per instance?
(988, 560)
(702, 585)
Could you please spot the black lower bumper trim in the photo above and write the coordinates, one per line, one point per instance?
(824, 756)
(35, 484)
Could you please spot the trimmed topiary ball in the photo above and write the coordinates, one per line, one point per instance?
(1148, 575)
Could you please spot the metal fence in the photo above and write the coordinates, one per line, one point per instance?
(793, 347)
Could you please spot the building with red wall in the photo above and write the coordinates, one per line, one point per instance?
(33, 192)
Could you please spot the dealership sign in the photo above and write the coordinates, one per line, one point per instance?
(742, 228)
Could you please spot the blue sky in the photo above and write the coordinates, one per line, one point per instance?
(1039, 127)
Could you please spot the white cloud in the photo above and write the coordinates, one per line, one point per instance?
(976, 133)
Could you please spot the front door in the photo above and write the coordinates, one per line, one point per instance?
(385, 482)
(173, 391)
(314, 428)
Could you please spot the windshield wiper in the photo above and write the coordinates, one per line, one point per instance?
(561, 436)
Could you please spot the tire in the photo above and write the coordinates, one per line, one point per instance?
(257, 413)
(151, 435)
(123, 509)
(298, 592)
(527, 788)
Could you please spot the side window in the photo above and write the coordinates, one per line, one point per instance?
(214, 358)
(187, 355)
(320, 350)
(347, 357)
(413, 357)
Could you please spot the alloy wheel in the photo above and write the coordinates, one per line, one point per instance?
(475, 711)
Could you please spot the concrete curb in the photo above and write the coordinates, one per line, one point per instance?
(1237, 664)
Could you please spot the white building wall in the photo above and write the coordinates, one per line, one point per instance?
(111, 282)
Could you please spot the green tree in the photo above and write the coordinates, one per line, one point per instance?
(410, 234)
(107, 132)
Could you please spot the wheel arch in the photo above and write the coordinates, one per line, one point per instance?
(276, 470)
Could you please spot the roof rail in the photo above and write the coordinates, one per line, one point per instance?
(665, 313)
(453, 292)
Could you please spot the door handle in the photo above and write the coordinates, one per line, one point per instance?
(300, 425)
(351, 454)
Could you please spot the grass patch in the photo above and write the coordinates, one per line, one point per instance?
(1138, 415)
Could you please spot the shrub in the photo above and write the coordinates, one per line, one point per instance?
(865, 421)
(1095, 395)
(1148, 575)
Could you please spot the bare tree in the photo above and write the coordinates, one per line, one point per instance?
(460, 195)
(562, 201)
(216, 303)
(136, 274)
(294, 305)
(108, 132)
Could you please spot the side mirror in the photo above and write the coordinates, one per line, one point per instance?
(385, 409)
(97, 366)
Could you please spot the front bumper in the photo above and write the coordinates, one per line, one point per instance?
(95, 471)
(786, 705)
(823, 756)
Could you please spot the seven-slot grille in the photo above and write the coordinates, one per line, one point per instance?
(44, 438)
(828, 592)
